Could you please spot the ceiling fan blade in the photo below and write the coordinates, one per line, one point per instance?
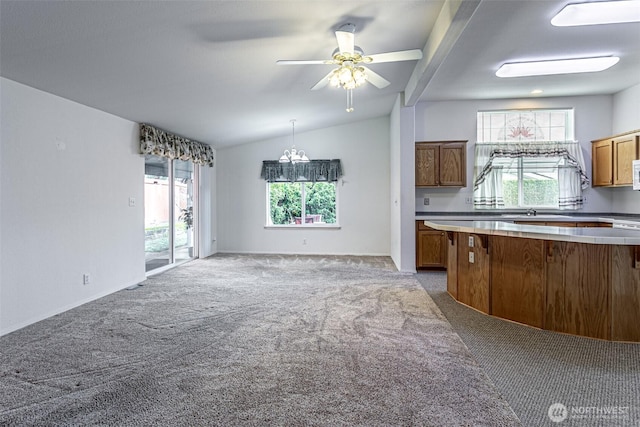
(346, 38)
(309, 62)
(376, 79)
(323, 82)
(401, 55)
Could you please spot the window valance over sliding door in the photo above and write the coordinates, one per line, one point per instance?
(161, 143)
(313, 171)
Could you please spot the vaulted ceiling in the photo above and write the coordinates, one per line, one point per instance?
(207, 69)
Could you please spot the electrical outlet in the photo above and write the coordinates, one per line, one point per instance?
(86, 279)
(471, 243)
(132, 202)
(426, 201)
(304, 241)
(472, 257)
(468, 200)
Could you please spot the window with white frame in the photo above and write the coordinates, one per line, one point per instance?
(302, 203)
(302, 194)
(528, 159)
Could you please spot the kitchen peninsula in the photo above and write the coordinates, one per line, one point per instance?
(581, 280)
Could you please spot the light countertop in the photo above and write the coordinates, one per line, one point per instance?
(504, 226)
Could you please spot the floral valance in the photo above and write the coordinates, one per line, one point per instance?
(160, 143)
(313, 171)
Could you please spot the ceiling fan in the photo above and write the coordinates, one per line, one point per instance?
(350, 58)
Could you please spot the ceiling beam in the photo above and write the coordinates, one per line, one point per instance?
(453, 18)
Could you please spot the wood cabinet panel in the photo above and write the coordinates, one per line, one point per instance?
(431, 247)
(602, 163)
(452, 264)
(594, 224)
(611, 159)
(473, 277)
(625, 150)
(625, 293)
(453, 165)
(560, 223)
(441, 164)
(518, 280)
(427, 165)
(578, 297)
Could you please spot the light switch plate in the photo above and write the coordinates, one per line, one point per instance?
(470, 241)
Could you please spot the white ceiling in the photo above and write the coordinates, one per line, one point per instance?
(207, 69)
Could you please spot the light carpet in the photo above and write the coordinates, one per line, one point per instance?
(251, 340)
(597, 381)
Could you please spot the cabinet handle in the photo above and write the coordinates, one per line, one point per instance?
(549, 251)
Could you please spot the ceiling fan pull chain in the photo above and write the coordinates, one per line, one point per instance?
(349, 100)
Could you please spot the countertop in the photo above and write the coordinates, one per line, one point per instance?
(504, 226)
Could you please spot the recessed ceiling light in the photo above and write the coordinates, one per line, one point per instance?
(605, 12)
(536, 92)
(560, 66)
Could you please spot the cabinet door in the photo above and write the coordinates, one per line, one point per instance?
(625, 150)
(427, 165)
(431, 249)
(453, 169)
(473, 271)
(578, 283)
(518, 279)
(602, 163)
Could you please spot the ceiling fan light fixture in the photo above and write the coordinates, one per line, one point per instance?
(558, 66)
(348, 77)
(597, 13)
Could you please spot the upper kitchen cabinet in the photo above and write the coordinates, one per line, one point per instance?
(441, 164)
(612, 159)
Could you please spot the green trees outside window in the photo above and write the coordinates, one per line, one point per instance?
(302, 203)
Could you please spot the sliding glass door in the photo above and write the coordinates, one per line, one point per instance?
(170, 212)
(183, 214)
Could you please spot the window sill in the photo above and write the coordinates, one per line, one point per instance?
(305, 227)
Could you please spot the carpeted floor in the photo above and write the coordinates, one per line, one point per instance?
(597, 381)
(251, 340)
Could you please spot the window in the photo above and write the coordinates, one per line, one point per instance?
(530, 182)
(301, 203)
(528, 159)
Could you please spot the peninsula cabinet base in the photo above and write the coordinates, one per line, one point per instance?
(581, 289)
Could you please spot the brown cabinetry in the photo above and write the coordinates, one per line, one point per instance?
(578, 278)
(518, 280)
(612, 157)
(584, 289)
(473, 271)
(431, 247)
(441, 164)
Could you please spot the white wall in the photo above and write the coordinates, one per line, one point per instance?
(363, 193)
(456, 120)
(402, 160)
(626, 117)
(67, 172)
